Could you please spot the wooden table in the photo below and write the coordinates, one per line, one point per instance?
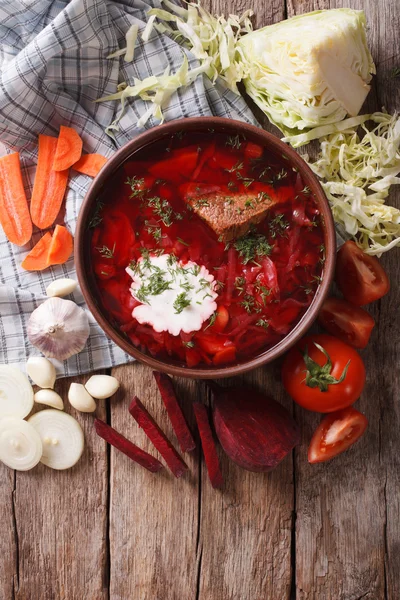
(109, 530)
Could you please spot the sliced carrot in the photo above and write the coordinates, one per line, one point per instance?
(14, 212)
(49, 187)
(90, 164)
(61, 246)
(37, 259)
(69, 149)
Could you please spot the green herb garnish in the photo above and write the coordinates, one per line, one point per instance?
(181, 302)
(252, 246)
(106, 252)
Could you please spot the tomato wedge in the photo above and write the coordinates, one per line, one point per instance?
(336, 432)
(360, 277)
(349, 323)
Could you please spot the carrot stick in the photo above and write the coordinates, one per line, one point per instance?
(90, 164)
(69, 149)
(61, 246)
(49, 187)
(14, 212)
(37, 259)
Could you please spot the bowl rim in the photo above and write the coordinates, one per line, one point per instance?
(190, 124)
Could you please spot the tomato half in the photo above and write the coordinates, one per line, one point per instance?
(336, 432)
(349, 323)
(360, 277)
(319, 383)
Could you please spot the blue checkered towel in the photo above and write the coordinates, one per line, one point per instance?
(53, 67)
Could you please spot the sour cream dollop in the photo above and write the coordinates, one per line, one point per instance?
(174, 296)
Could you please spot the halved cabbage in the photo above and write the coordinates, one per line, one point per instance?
(309, 71)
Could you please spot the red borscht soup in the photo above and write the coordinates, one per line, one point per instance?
(206, 249)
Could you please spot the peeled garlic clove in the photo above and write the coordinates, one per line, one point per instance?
(16, 393)
(80, 398)
(102, 386)
(58, 328)
(41, 371)
(50, 398)
(61, 287)
(20, 444)
(62, 438)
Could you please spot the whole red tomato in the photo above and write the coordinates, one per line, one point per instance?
(323, 374)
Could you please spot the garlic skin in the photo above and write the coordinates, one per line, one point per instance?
(102, 386)
(61, 287)
(50, 398)
(80, 398)
(58, 328)
(41, 371)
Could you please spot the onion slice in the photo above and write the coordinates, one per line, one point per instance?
(16, 393)
(62, 438)
(20, 444)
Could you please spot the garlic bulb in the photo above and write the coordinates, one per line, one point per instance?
(58, 328)
(61, 287)
(80, 398)
(41, 371)
(50, 398)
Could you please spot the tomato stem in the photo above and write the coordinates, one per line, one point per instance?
(320, 376)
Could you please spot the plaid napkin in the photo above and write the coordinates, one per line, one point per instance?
(53, 67)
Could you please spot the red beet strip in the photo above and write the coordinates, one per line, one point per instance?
(208, 444)
(120, 442)
(174, 411)
(157, 437)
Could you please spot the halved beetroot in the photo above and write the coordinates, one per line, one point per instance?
(208, 445)
(174, 411)
(111, 436)
(157, 437)
(255, 431)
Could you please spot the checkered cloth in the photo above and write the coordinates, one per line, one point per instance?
(53, 67)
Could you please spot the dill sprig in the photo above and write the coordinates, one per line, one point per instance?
(181, 302)
(252, 246)
(106, 252)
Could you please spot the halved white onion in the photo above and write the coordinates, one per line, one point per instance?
(16, 393)
(20, 444)
(62, 438)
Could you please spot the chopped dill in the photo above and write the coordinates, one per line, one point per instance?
(181, 302)
(262, 323)
(252, 246)
(107, 252)
(234, 142)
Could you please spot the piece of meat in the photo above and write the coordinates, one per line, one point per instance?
(230, 215)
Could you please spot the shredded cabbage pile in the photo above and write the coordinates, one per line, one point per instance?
(209, 38)
(357, 173)
(156, 90)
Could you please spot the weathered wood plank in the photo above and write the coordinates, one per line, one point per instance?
(245, 534)
(153, 517)
(8, 545)
(347, 510)
(61, 519)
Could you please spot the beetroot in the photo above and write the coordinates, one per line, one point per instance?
(208, 444)
(255, 431)
(111, 436)
(157, 437)
(174, 411)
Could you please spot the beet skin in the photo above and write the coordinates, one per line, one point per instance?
(255, 431)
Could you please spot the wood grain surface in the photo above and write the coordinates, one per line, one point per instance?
(109, 530)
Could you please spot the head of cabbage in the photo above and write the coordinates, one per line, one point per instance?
(309, 71)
